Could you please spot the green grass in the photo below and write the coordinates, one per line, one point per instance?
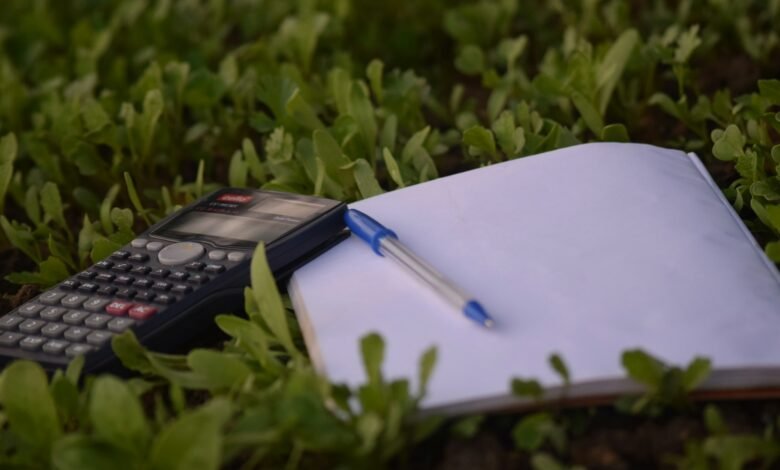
(114, 114)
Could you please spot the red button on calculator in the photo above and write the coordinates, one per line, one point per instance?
(142, 312)
(118, 308)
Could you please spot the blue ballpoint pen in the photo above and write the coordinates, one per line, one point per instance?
(385, 243)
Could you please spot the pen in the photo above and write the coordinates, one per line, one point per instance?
(385, 243)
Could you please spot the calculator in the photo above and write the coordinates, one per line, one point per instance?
(168, 283)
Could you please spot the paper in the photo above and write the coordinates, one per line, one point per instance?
(586, 251)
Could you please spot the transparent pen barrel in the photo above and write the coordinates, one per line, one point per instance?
(391, 248)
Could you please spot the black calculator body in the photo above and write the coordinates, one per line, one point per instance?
(169, 282)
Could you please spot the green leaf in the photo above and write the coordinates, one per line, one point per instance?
(238, 170)
(611, 67)
(427, 363)
(372, 348)
(530, 433)
(480, 138)
(221, 370)
(728, 145)
(643, 368)
(504, 129)
(29, 407)
(192, 441)
(252, 160)
(556, 362)
(470, 60)
(52, 204)
(374, 73)
(770, 90)
(147, 122)
(772, 250)
(467, 427)
(544, 461)
(696, 372)
(392, 167)
(590, 114)
(116, 415)
(78, 452)
(134, 199)
(300, 110)
(415, 145)
(527, 388)
(8, 149)
(269, 301)
(365, 179)
(362, 110)
(614, 133)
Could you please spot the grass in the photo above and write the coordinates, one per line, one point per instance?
(114, 114)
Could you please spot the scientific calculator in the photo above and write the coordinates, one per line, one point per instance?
(169, 282)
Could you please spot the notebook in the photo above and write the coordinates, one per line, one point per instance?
(585, 251)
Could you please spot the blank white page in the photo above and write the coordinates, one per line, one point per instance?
(585, 251)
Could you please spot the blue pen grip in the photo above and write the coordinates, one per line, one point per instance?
(371, 231)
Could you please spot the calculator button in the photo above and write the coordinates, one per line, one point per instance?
(76, 333)
(122, 267)
(217, 255)
(119, 325)
(125, 293)
(154, 246)
(214, 268)
(143, 283)
(107, 290)
(32, 343)
(54, 330)
(139, 242)
(105, 277)
(180, 253)
(139, 258)
(30, 310)
(75, 317)
(52, 313)
(88, 287)
(179, 276)
(236, 256)
(73, 301)
(118, 307)
(145, 295)
(123, 280)
(97, 338)
(181, 289)
(141, 270)
(142, 312)
(70, 284)
(97, 320)
(159, 273)
(9, 322)
(55, 346)
(51, 298)
(10, 339)
(198, 279)
(195, 266)
(87, 275)
(120, 255)
(165, 299)
(161, 286)
(78, 350)
(96, 304)
(31, 326)
(104, 264)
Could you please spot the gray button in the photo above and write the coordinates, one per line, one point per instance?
(97, 320)
(51, 298)
(120, 324)
(76, 333)
(96, 304)
(31, 343)
(217, 255)
(52, 313)
(10, 339)
(180, 253)
(29, 310)
(9, 322)
(154, 246)
(139, 242)
(75, 317)
(99, 337)
(54, 330)
(78, 350)
(55, 346)
(236, 256)
(31, 326)
(73, 300)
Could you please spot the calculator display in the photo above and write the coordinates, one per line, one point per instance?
(227, 226)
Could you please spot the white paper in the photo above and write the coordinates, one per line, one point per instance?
(585, 251)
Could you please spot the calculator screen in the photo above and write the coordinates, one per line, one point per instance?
(227, 227)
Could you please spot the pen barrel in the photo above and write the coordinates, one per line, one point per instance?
(393, 249)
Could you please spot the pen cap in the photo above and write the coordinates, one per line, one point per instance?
(371, 231)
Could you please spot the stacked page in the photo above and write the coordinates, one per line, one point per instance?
(585, 251)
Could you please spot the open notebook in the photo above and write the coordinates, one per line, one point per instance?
(585, 251)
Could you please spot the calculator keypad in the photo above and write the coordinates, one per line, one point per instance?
(133, 285)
